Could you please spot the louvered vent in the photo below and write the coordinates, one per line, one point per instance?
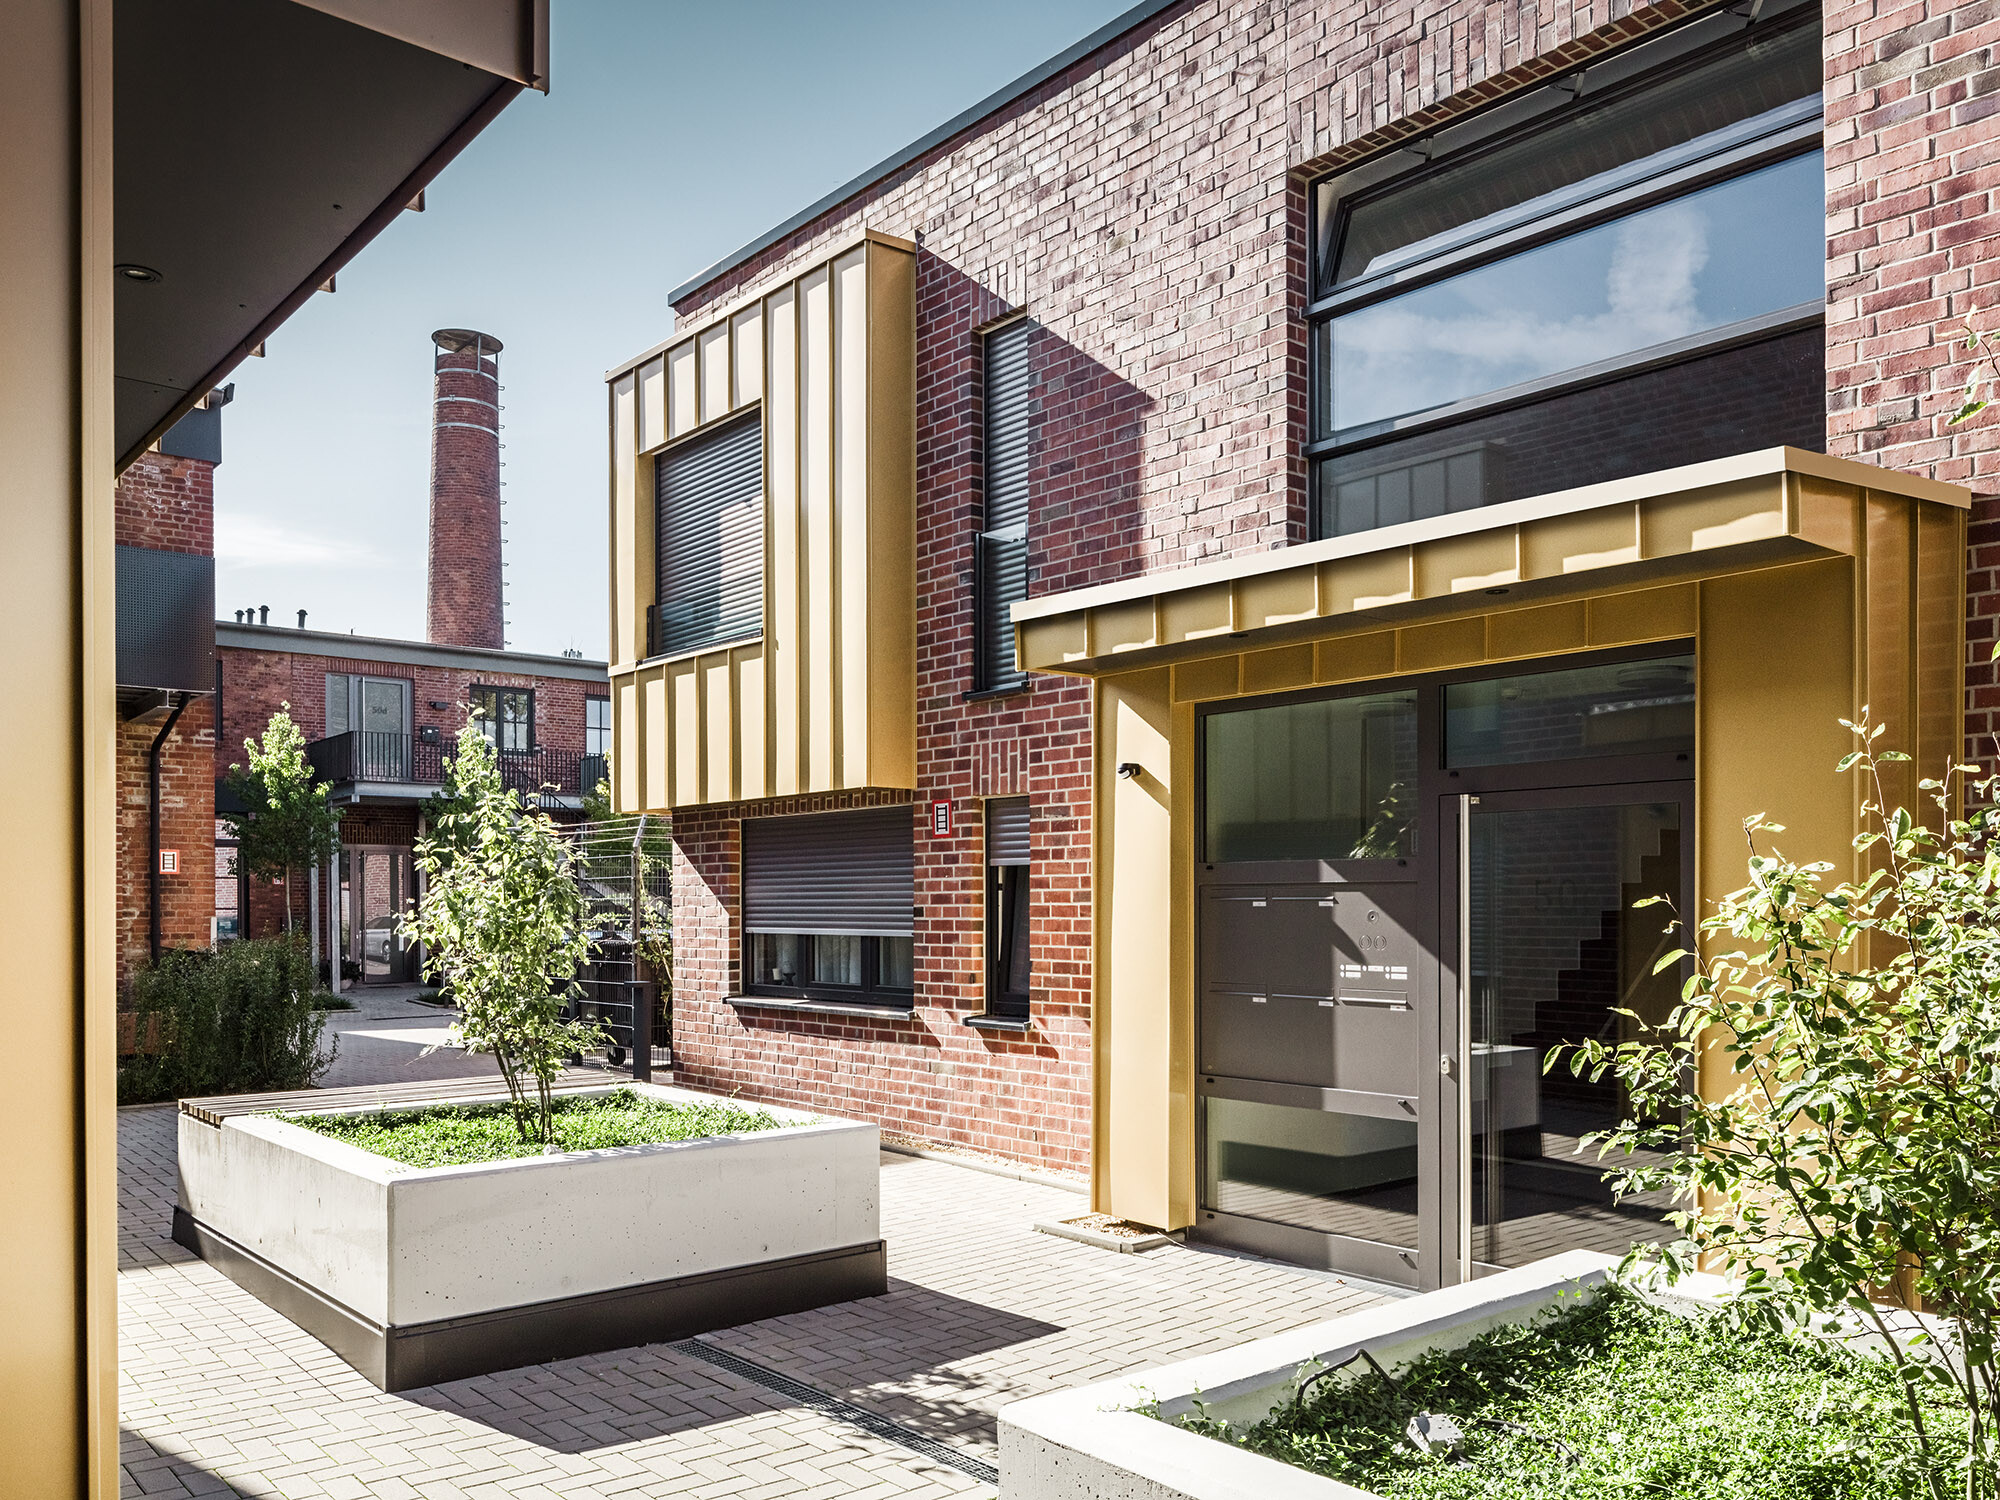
(709, 501)
(1001, 552)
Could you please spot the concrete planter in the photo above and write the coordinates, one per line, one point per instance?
(416, 1275)
(1090, 1443)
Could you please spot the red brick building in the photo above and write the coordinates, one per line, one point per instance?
(378, 715)
(1315, 415)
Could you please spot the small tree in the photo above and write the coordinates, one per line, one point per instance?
(1852, 1159)
(287, 822)
(504, 927)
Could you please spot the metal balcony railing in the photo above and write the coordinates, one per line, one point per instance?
(366, 755)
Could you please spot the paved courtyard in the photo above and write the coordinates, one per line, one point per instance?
(221, 1396)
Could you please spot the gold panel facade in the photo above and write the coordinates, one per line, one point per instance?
(1787, 643)
(825, 699)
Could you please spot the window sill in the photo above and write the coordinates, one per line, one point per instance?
(999, 1023)
(983, 695)
(822, 1007)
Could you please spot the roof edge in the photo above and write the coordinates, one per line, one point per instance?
(1110, 32)
(242, 637)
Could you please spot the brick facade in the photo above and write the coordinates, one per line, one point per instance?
(167, 504)
(465, 598)
(1148, 208)
(255, 682)
(1913, 249)
(187, 825)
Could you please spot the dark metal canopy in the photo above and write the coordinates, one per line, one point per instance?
(260, 144)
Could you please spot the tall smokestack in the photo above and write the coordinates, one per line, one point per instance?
(465, 595)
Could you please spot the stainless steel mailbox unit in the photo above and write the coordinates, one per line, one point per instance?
(1383, 965)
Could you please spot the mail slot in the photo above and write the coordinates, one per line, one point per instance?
(1310, 984)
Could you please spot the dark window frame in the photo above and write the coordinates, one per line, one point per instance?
(992, 677)
(871, 990)
(1784, 140)
(1009, 919)
(477, 695)
(589, 729)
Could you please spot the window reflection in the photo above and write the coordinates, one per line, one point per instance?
(1329, 779)
(1621, 708)
(1731, 252)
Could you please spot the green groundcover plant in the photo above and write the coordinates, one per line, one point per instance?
(1848, 1165)
(462, 1136)
(239, 1018)
(1611, 1397)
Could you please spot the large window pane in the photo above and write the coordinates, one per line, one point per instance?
(1592, 150)
(1623, 708)
(1756, 395)
(1737, 250)
(836, 959)
(1329, 779)
(1562, 954)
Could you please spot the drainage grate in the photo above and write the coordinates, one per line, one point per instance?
(839, 1410)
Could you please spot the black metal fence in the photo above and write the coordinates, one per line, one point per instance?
(404, 759)
(622, 867)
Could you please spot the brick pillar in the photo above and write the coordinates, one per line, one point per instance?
(465, 602)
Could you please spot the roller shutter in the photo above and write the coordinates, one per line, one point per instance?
(708, 501)
(1007, 831)
(848, 872)
(1002, 549)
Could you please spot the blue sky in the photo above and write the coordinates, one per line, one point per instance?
(673, 133)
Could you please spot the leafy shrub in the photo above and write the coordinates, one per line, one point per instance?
(234, 1019)
(1849, 1157)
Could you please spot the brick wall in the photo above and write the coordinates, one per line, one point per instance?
(256, 682)
(1913, 248)
(187, 823)
(1148, 208)
(464, 602)
(927, 1074)
(167, 504)
(1144, 209)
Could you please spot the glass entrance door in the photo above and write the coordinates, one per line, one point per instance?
(377, 886)
(1555, 948)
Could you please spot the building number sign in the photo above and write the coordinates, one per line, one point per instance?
(941, 818)
(170, 861)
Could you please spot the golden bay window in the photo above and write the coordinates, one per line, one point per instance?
(708, 504)
(828, 907)
(1619, 273)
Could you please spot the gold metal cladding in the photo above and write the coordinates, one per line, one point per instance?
(824, 699)
(1762, 509)
(1809, 587)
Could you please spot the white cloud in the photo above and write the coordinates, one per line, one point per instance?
(259, 541)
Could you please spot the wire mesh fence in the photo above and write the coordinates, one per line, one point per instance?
(622, 865)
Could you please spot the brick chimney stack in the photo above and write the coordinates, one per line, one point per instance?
(465, 600)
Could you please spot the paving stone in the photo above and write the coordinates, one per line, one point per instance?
(223, 1397)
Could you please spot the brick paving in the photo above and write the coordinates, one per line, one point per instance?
(222, 1396)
